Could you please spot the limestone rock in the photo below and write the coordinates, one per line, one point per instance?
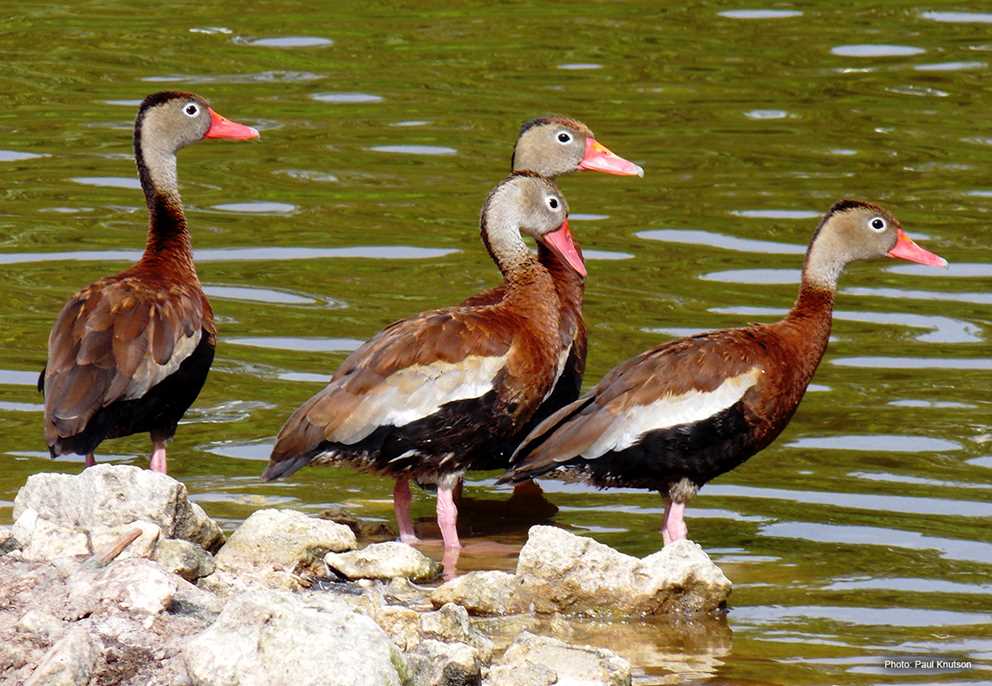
(451, 623)
(70, 662)
(528, 674)
(45, 624)
(186, 559)
(136, 586)
(8, 541)
(572, 664)
(484, 593)
(275, 638)
(434, 663)
(560, 572)
(384, 561)
(362, 528)
(283, 539)
(401, 624)
(117, 495)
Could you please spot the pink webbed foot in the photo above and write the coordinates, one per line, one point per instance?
(447, 517)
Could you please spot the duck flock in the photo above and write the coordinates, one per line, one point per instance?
(493, 382)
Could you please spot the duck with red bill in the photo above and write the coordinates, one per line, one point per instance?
(906, 249)
(600, 158)
(561, 242)
(222, 127)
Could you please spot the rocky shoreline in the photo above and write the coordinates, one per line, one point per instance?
(114, 576)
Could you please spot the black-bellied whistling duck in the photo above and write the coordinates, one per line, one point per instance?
(129, 353)
(675, 417)
(552, 146)
(426, 394)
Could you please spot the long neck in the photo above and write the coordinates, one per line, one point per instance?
(568, 283)
(502, 239)
(168, 235)
(811, 316)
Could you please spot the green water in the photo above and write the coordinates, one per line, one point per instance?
(862, 533)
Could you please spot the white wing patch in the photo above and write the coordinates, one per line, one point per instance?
(671, 410)
(150, 373)
(417, 392)
(562, 359)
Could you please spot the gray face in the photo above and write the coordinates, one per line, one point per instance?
(541, 205)
(550, 149)
(863, 233)
(177, 122)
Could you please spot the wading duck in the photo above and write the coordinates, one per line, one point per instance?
(425, 395)
(129, 353)
(551, 147)
(675, 417)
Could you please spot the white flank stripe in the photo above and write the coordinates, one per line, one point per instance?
(562, 359)
(671, 410)
(417, 392)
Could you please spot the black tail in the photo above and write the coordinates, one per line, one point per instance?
(285, 467)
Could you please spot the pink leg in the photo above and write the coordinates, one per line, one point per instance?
(401, 506)
(157, 461)
(449, 563)
(447, 516)
(90, 460)
(673, 527)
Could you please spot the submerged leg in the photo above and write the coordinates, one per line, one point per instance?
(447, 516)
(90, 460)
(528, 488)
(401, 506)
(673, 527)
(157, 461)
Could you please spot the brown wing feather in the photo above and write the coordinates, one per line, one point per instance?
(112, 340)
(443, 336)
(698, 363)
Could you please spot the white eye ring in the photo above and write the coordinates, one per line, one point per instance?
(553, 202)
(191, 110)
(564, 137)
(877, 224)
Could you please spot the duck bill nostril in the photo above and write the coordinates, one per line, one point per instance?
(907, 249)
(599, 158)
(561, 242)
(221, 127)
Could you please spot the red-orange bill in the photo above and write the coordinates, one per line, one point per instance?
(561, 242)
(906, 249)
(599, 158)
(221, 127)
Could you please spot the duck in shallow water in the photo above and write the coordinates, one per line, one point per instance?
(129, 353)
(424, 396)
(675, 417)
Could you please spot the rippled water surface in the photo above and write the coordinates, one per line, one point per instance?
(863, 532)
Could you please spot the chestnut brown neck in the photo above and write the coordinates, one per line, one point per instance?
(168, 246)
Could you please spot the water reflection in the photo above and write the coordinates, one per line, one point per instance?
(717, 240)
(346, 98)
(18, 378)
(914, 362)
(288, 42)
(16, 156)
(258, 207)
(415, 149)
(958, 17)
(316, 345)
(760, 14)
(876, 50)
(264, 295)
(108, 181)
(884, 443)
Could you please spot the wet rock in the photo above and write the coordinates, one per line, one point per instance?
(451, 623)
(107, 496)
(435, 663)
(362, 528)
(186, 559)
(571, 664)
(71, 661)
(384, 561)
(278, 638)
(560, 572)
(401, 624)
(281, 540)
(484, 593)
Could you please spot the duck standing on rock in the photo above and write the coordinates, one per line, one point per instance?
(424, 396)
(675, 417)
(130, 353)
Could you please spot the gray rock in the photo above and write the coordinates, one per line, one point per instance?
(281, 539)
(451, 623)
(483, 593)
(401, 624)
(70, 662)
(137, 586)
(8, 542)
(384, 561)
(527, 674)
(434, 663)
(275, 638)
(117, 495)
(577, 665)
(186, 559)
(560, 572)
(45, 624)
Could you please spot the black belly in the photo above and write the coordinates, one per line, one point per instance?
(447, 441)
(157, 412)
(566, 390)
(699, 452)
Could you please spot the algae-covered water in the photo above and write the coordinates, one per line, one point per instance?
(863, 533)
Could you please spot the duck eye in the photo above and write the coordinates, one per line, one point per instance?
(553, 203)
(191, 110)
(564, 138)
(878, 224)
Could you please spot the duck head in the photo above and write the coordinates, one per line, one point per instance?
(551, 146)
